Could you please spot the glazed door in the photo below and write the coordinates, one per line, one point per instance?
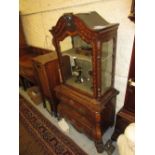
(130, 92)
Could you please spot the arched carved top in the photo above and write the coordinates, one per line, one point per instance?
(71, 25)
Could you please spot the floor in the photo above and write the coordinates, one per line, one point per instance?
(79, 138)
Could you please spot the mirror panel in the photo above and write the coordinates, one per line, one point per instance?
(77, 63)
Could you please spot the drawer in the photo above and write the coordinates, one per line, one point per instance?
(80, 108)
(81, 123)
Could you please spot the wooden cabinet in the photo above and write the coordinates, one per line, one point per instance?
(127, 113)
(87, 94)
(47, 73)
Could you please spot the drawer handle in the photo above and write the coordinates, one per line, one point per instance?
(71, 102)
(131, 83)
(82, 111)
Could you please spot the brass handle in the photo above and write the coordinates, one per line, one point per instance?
(131, 83)
(71, 102)
(82, 111)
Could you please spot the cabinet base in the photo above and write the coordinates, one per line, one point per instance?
(99, 146)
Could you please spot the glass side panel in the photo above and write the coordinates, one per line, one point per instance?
(77, 64)
(106, 65)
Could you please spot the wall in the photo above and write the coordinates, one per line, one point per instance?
(39, 16)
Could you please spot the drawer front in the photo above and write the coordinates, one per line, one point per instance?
(81, 123)
(81, 109)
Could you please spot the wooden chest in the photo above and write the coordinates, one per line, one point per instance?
(86, 114)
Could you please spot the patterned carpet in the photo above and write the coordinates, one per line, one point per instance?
(39, 137)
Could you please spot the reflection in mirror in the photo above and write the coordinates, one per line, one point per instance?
(77, 63)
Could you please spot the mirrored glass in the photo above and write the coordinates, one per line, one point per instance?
(77, 63)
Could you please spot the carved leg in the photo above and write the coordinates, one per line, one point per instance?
(23, 82)
(58, 117)
(44, 101)
(99, 146)
(54, 106)
(109, 147)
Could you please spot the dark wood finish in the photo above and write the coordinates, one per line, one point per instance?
(90, 114)
(130, 92)
(47, 73)
(87, 115)
(127, 113)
